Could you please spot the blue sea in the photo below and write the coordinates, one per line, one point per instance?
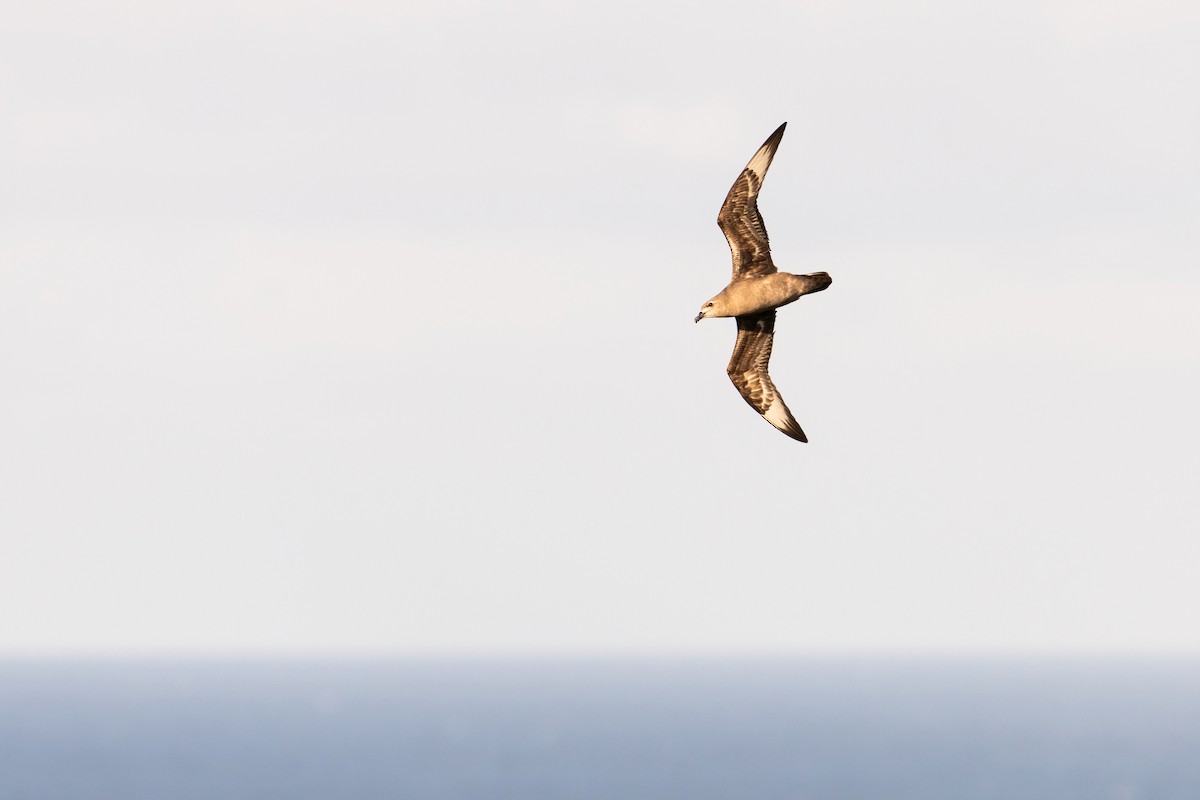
(608, 729)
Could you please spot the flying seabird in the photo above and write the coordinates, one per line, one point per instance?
(757, 289)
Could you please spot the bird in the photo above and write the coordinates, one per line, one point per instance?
(756, 290)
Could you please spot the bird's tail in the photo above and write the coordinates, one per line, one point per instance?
(816, 281)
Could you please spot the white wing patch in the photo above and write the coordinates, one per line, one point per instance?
(779, 416)
(761, 161)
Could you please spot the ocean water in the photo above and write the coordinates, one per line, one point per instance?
(606, 729)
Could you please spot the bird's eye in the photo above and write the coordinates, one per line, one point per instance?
(709, 305)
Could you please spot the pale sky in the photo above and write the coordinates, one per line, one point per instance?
(363, 327)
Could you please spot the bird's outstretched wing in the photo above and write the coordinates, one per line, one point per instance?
(748, 371)
(739, 218)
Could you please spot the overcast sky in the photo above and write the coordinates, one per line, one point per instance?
(367, 327)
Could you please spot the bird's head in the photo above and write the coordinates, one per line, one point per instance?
(713, 308)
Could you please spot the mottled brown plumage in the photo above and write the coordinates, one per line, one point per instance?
(755, 291)
(748, 371)
(740, 220)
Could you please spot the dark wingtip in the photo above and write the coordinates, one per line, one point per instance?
(775, 138)
(790, 428)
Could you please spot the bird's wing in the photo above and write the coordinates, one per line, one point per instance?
(739, 218)
(748, 371)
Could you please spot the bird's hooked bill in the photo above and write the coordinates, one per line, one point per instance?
(699, 317)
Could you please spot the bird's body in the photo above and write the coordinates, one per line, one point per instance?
(756, 290)
(754, 295)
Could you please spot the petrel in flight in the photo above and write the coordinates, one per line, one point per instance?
(757, 289)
